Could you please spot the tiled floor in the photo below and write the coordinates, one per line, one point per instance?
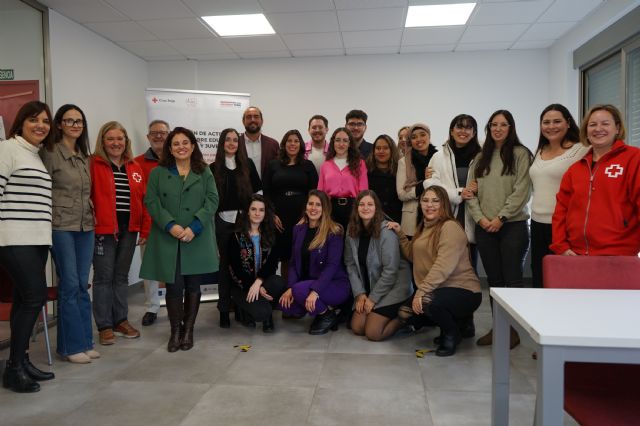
(288, 378)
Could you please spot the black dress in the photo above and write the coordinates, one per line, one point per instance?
(384, 185)
(287, 188)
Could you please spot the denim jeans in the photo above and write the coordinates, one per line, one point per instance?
(25, 265)
(111, 263)
(72, 253)
(503, 253)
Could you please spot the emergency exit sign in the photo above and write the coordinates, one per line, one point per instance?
(6, 74)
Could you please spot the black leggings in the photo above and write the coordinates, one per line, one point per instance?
(183, 283)
(450, 305)
(26, 266)
(224, 231)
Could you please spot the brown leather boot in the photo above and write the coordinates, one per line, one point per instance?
(175, 312)
(486, 340)
(514, 338)
(191, 307)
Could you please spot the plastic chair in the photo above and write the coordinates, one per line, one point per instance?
(6, 296)
(598, 393)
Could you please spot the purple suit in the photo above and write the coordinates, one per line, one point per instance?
(326, 269)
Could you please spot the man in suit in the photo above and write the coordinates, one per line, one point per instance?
(260, 148)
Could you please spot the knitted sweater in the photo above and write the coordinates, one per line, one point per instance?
(25, 195)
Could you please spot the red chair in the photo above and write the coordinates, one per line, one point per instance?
(598, 393)
(6, 296)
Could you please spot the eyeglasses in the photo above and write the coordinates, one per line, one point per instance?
(499, 125)
(70, 122)
(156, 134)
(358, 124)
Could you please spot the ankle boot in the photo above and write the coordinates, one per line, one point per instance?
(467, 327)
(175, 313)
(34, 372)
(448, 345)
(267, 326)
(191, 307)
(486, 340)
(514, 338)
(16, 378)
(322, 323)
(225, 322)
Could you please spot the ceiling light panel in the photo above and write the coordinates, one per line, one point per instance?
(239, 25)
(438, 15)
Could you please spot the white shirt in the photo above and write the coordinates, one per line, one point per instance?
(254, 151)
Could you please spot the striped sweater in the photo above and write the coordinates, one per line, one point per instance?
(25, 195)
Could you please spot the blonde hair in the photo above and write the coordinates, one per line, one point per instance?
(112, 125)
(327, 225)
(617, 118)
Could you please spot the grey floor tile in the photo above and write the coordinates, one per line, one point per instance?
(138, 403)
(344, 341)
(366, 407)
(348, 371)
(115, 359)
(290, 369)
(232, 405)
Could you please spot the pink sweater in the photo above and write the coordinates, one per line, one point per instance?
(341, 183)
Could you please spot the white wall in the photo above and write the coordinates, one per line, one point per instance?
(393, 89)
(104, 80)
(564, 80)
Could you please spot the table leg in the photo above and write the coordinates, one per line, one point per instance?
(500, 380)
(550, 394)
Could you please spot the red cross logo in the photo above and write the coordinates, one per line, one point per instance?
(614, 170)
(136, 176)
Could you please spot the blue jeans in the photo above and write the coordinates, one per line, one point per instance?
(111, 263)
(72, 253)
(503, 253)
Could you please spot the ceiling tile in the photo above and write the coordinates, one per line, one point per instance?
(235, 7)
(270, 43)
(258, 55)
(318, 52)
(468, 47)
(428, 48)
(155, 9)
(368, 4)
(164, 58)
(313, 41)
(304, 22)
(532, 44)
(149, 48)
(371, 19)
(274, 6)
(213, 57)
(177, 28)
(372, 50)
(199, 46)
(570, 10)
(430, 35)
(508, 12)
(121, 31)
(546, 31)
(493, 33)
(384, 38)
(85, 10)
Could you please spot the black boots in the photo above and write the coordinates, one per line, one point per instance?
(176, 313)
(448, 345)
(34, 372)
(224, 320)
(267, 325)
(15, 377)
(322, 323)
(191, 307)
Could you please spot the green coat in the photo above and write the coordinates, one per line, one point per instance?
(172, 198)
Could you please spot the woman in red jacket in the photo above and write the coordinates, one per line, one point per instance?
(598, 203)
(117, 192)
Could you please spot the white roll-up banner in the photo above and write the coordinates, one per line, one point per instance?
(205, 113)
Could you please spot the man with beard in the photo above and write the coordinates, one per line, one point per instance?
(260, 148)
(315, 150)
(356, 122)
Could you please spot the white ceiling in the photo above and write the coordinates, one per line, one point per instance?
(172, 30)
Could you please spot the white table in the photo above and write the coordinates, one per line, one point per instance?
(566, 325)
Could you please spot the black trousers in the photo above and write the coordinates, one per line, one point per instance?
(503, 253)
(26, 266)
(224, 231)
(540, 242)
(261, 309)
(450, 305)
(340, 212)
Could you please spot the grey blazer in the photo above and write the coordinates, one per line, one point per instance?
(389, 272)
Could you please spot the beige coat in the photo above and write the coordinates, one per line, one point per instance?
(408, 198)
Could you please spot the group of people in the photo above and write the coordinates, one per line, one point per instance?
(380, 235)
